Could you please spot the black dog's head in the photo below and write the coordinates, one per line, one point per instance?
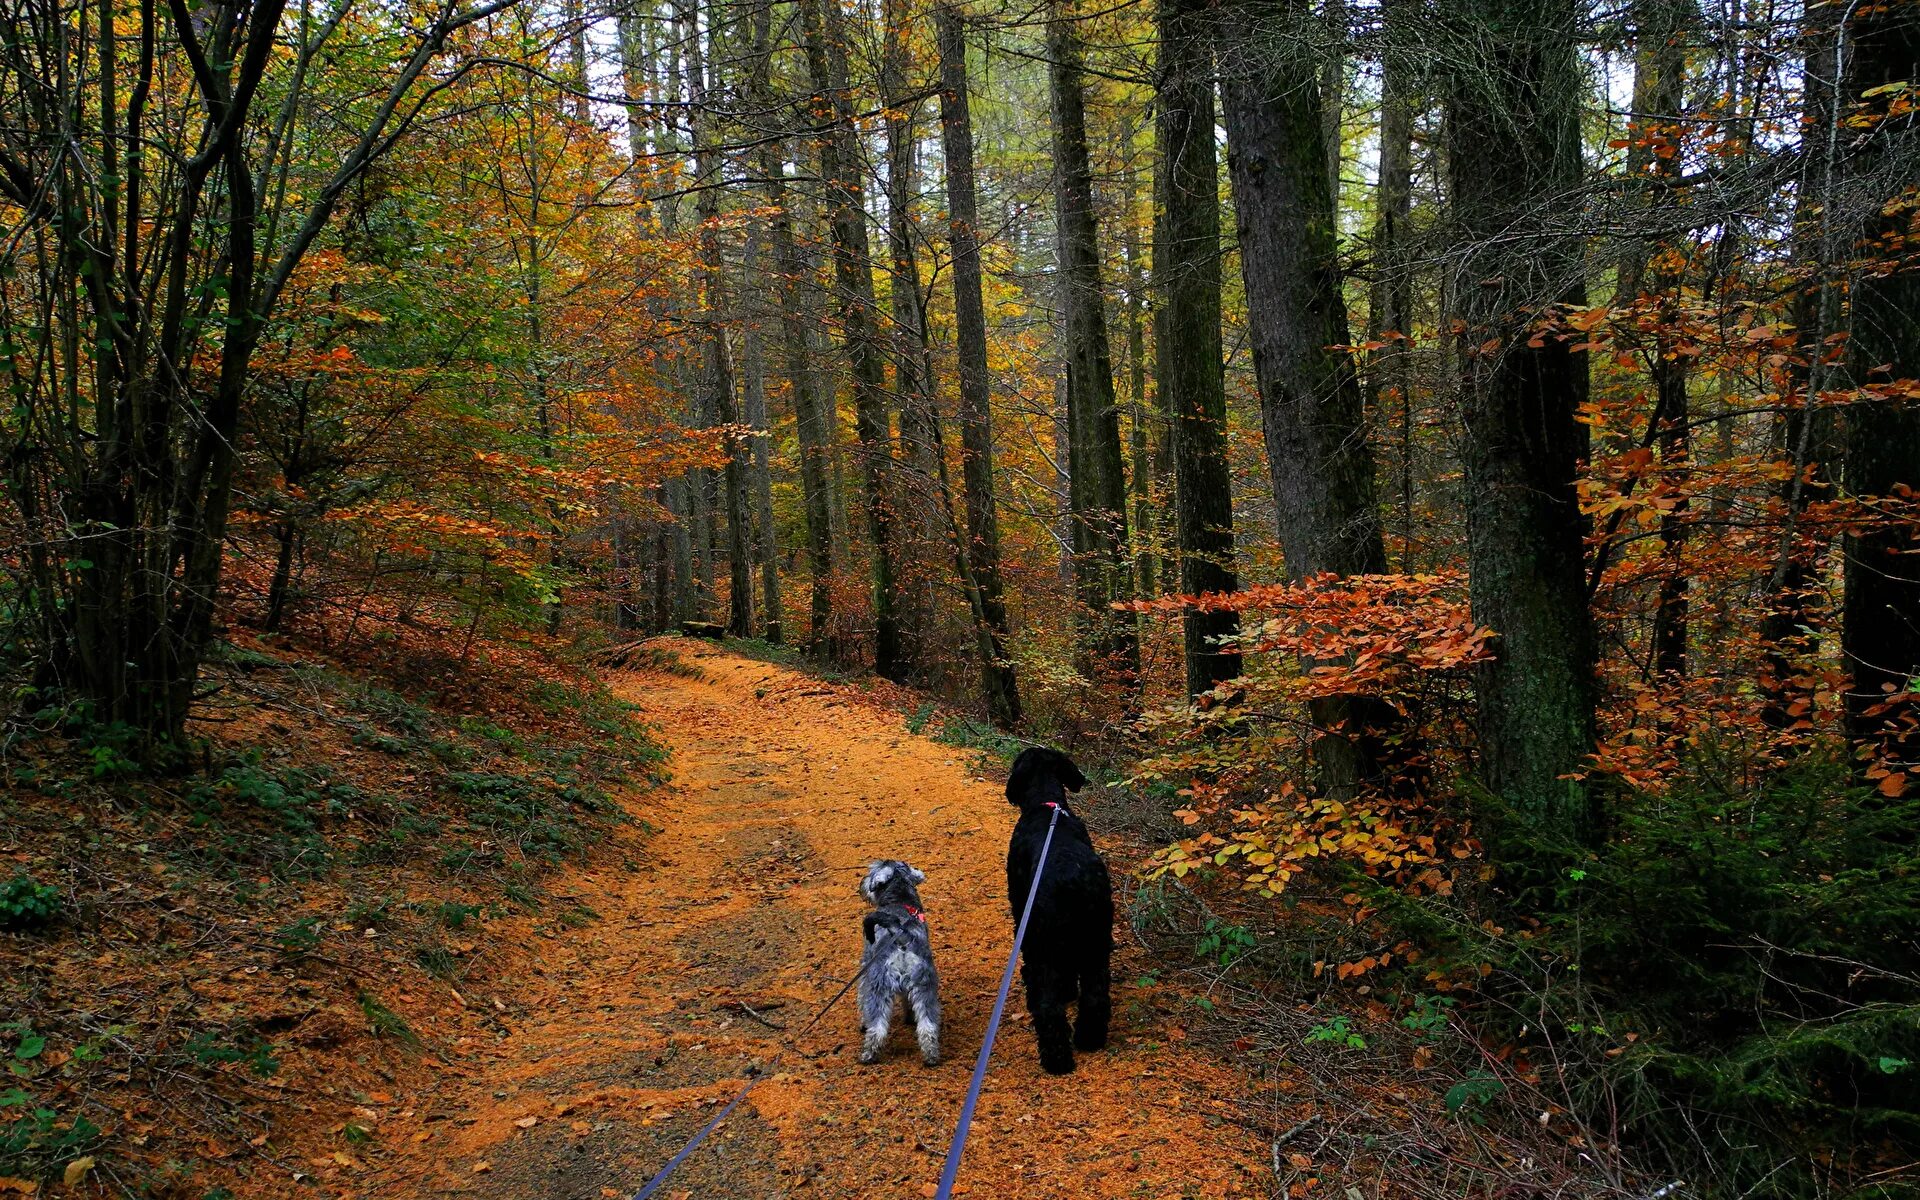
(1041, 775)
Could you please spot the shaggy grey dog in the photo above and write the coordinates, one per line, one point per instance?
(898, 961)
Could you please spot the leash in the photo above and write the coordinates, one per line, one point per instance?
(958, 1146)
(673, 1163)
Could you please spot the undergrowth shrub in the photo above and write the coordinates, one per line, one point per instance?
(1765, 944)
(1729, 990)
(1732, 985)
(27, 905)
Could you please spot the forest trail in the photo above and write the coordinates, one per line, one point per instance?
(783, 787)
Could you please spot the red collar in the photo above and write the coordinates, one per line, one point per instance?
(917, 914)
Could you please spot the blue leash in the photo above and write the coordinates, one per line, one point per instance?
(674, 1162)
(958, 1146)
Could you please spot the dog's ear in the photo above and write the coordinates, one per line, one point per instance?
(917, 875)
(1020, 778)
(875, 879)
(1070, 776)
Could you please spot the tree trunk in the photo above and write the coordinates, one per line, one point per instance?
(1514, 158)
(793, 302)
(1333, 89)
(1804, 436)
(1097, 485)
(1311, 406)
(719, 383)
(765, 551)
(815, 430)
(1186, 331)
(853, 276)
(1659, 95)
(997, 683)
(1141, 433)
(1880, 627)
(913, 383)
(1390, 300)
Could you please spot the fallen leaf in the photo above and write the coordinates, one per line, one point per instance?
(527, 1122)
(482, 1167)
(76, 1171)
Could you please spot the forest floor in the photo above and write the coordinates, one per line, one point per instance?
(630, 1030)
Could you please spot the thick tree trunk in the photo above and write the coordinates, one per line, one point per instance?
(1097, 484)
(1186, 331)
(997, 683)
(1880, 629)
(853, 276)
(1311, 405)
(1514, 156)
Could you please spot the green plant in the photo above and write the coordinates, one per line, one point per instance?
(1428, 1017)
(969, 734)
(374, 913)
(35, 1140)
(383, 1022)
(1224, 943)
(1336, 1031)
(455, 915)
(303, 936)
(212, 1048)
(437, 961)
(1471, 1094)
(27, 905)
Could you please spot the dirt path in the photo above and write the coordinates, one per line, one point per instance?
(621, 1043)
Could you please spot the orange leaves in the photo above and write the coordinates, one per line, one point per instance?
(1363, 633)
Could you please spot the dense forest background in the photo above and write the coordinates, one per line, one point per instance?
(1454, 459)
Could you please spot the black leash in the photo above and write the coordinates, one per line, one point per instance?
(958, 1145)
(674, 1162)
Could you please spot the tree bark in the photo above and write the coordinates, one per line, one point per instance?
(853, 275)
(1188, 365)
(754, 389)
(998, 685)
(1390, 299)
(1880, 625)
(1311, 405)
(1659, 95)
(913, 381)
(718, 381)
(791, 275)
(1804, 436)
(1097, 485)
(1514, 158)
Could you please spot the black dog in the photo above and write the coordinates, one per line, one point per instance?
(1070, 936)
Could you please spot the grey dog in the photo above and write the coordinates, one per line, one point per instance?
(898, 961)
